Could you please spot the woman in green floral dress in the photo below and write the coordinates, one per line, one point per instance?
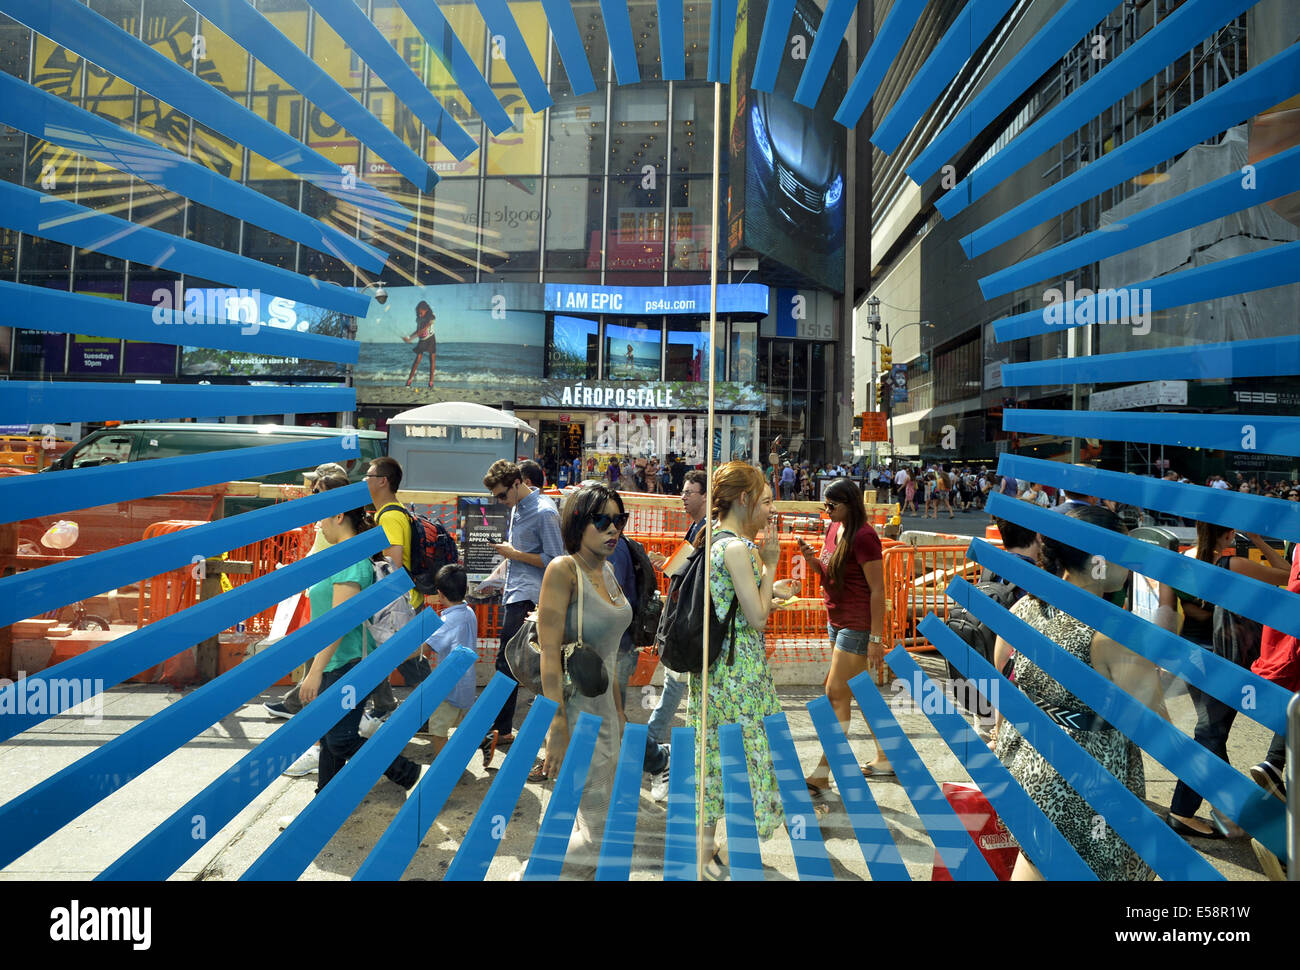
(742, 692)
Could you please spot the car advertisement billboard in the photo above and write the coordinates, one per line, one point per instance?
(789, 203)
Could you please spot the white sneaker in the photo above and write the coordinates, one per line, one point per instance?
(369, 724)
(307, 764)
(659, 783)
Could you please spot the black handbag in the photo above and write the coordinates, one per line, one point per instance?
(1236, 638)
(584, 671)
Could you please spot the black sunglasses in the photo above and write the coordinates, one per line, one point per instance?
(603, 521)
(830, 506)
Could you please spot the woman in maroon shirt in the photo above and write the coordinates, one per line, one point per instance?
(853, 587)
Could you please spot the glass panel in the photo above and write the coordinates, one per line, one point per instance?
(572, 348)
(780, 365)
(577, 132)
(451, 234)
(689, 227)
(512, 209)
(636, 231)
(632, 348)
(697, 39)
(269, 246)
(591, 28)
(819, 372)
(692, 122)
(744, 351)
(799, 365)
(530, 17)
(688, 350)
(638, 142)
(573, 214)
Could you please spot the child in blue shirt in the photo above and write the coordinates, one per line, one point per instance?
(459, 628)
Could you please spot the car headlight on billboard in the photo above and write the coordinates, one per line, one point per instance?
(760, 134)
(834, 191)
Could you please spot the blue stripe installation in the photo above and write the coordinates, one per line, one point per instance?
(29, 496)
(36, 402)
(1265, 357)
(951, 840)
(830, 34)
(1252, 92)
(501, 22)
(900, 20)
(877, 845)
(680, 850)
(744, 858)
(162, 851)
(552, 843)
(615, 861)
(487, 830)
(1200, 668)
(303, 839)
(396, 847)
(1268, 604)
(111, 663)
(772, 44)
(1250, 513)
(1026, 821)
(672, 40)
(1260, 433)
(622, 45)
(810, 857)
(1254, 809)
(559, 14)
(1124, 812)
(722, 37)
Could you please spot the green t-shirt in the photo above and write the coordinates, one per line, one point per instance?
(321, 597)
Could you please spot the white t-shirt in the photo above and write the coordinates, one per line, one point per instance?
(1220, 483)
(900, 477)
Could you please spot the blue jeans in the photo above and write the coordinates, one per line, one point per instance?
(342, 741)
(1213, 724)
(661, 720)
(850, 641)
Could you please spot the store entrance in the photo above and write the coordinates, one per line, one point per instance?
(557, 441)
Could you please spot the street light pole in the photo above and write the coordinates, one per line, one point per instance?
(873, 324)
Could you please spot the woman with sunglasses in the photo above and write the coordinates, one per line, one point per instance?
(590, 524)
(853, 588)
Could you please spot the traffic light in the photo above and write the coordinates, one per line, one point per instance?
(886, 358)
(880, 394)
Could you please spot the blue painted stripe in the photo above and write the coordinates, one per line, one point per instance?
(622, 45)
(1267, 357)
(446, 46)
(968, 31)
(900, 20)
(1273, 178)
(1249, 513)
(42, 114)
(350, 22)
(303, 839)
(42, 810)
(29, 496)
(487, 830)
(951, 840)
(43, 215)
(263, 40)
(1270, 605)
(1124, 812)
(772, 44)
(672, 39)
(830, 34)
(500, 22)
(1056, 858)
(1074, 20)
(396, 847)
(35, 402)
(878, 848)
(1250, 806)
(552, 842)
(162, 851)
(1200, 668)
(38, 590)
(111, 663)
(564, 27)
(810, 857)
(1276, 266)
(57, 311)
(85, 32)
(1254, 91)
(679, 824)
(1272, 435)
(722, 38)
(744, 859)
(1164, 43)
(615, 862)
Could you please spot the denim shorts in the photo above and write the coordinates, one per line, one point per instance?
(850, 641)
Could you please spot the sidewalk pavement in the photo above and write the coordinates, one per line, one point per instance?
(87, 845)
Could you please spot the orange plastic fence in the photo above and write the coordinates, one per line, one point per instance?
(915, 579)
(172, 591)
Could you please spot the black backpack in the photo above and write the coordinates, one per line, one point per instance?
(681, 627)
(649, 604)
(979, 637)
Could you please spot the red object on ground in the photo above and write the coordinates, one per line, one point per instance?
(995, 843)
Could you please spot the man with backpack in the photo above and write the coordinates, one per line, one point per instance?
(532, 541)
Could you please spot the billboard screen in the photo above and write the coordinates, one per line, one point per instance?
(254, 310)
(787, 162)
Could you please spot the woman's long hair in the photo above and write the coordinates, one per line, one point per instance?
(730, 482)
(844, 492)
(422, 310)
(1207, 540)
(1057, 558)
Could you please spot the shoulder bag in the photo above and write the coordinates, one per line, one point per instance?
(584, 671)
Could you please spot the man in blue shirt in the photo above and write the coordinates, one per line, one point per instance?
(532, 541)
(787, 482)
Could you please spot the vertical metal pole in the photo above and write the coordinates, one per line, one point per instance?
(1293, 789)
(872, 385)
(701, 740)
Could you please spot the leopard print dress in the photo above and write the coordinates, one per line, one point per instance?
(1109, 856)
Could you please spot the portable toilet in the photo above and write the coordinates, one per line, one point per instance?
(448, 447)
